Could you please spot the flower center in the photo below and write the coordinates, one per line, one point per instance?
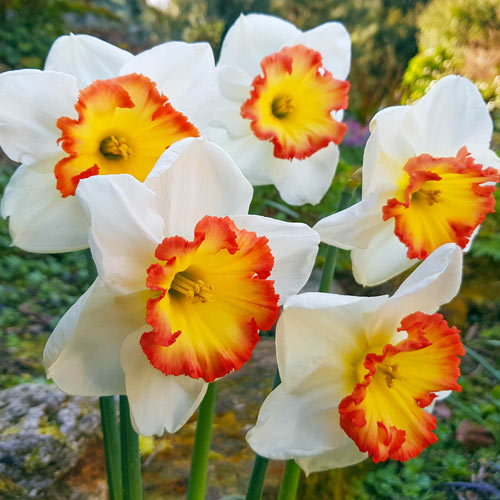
(130, 104)
(440, 200)
(389, 371)
(197, 291)
(292, 104)
(430, 196)
(115, 148)
(282, 106)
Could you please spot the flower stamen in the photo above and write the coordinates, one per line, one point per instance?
(430, 196)
(282, 106)
(195, 290)
(389, 372)
(115, 148)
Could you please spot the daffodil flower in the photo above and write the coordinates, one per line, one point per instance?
(359, 373)
(185, 281)
(95, 110)
(282, 92)
(428, 179)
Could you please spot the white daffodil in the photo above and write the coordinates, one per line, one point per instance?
(358, 372)
(428, 179)
(281, 95)
(95, 110)
(186, 280)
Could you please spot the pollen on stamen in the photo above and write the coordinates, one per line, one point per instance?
(115, 148)
(390, 373)
(431, 196)
(197, 291)
(282, 106)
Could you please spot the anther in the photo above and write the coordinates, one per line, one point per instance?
(431, 196)
(390, 373)
(115, 148)
(195, 290)
(282, 106)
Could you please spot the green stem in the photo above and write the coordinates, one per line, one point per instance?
(328, 269)
(199, 462)
(112, 453)
(290, 483)
(110, 434)
(131, 462)
(256, 484)
(332, 252)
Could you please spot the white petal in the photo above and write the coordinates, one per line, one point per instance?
(384, 258)
(82, 355)
(228, 118)
(41, 220)
(253, 37)
(125, 229)
(65, 329)
(31, 101)
(234, 83)
(435, 282)
(437, 279)
(253, 156)
(294, 248)
(157, 401)
(185, 73)
(302, 420)
(353, 227)
(386, 151)
(333, 42)
(344, 455)
(488, 158)
(321, 328)
(233, 90)
(442, 395)
(86, 58)
(194, 178)
(451, 115)
(306, 181)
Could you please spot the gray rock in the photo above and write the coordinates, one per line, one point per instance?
(43, 434)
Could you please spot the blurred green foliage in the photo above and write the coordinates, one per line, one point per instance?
(458, 37)
(487, 243)
(28, 27)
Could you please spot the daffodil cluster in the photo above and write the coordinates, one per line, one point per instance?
(149, 160)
